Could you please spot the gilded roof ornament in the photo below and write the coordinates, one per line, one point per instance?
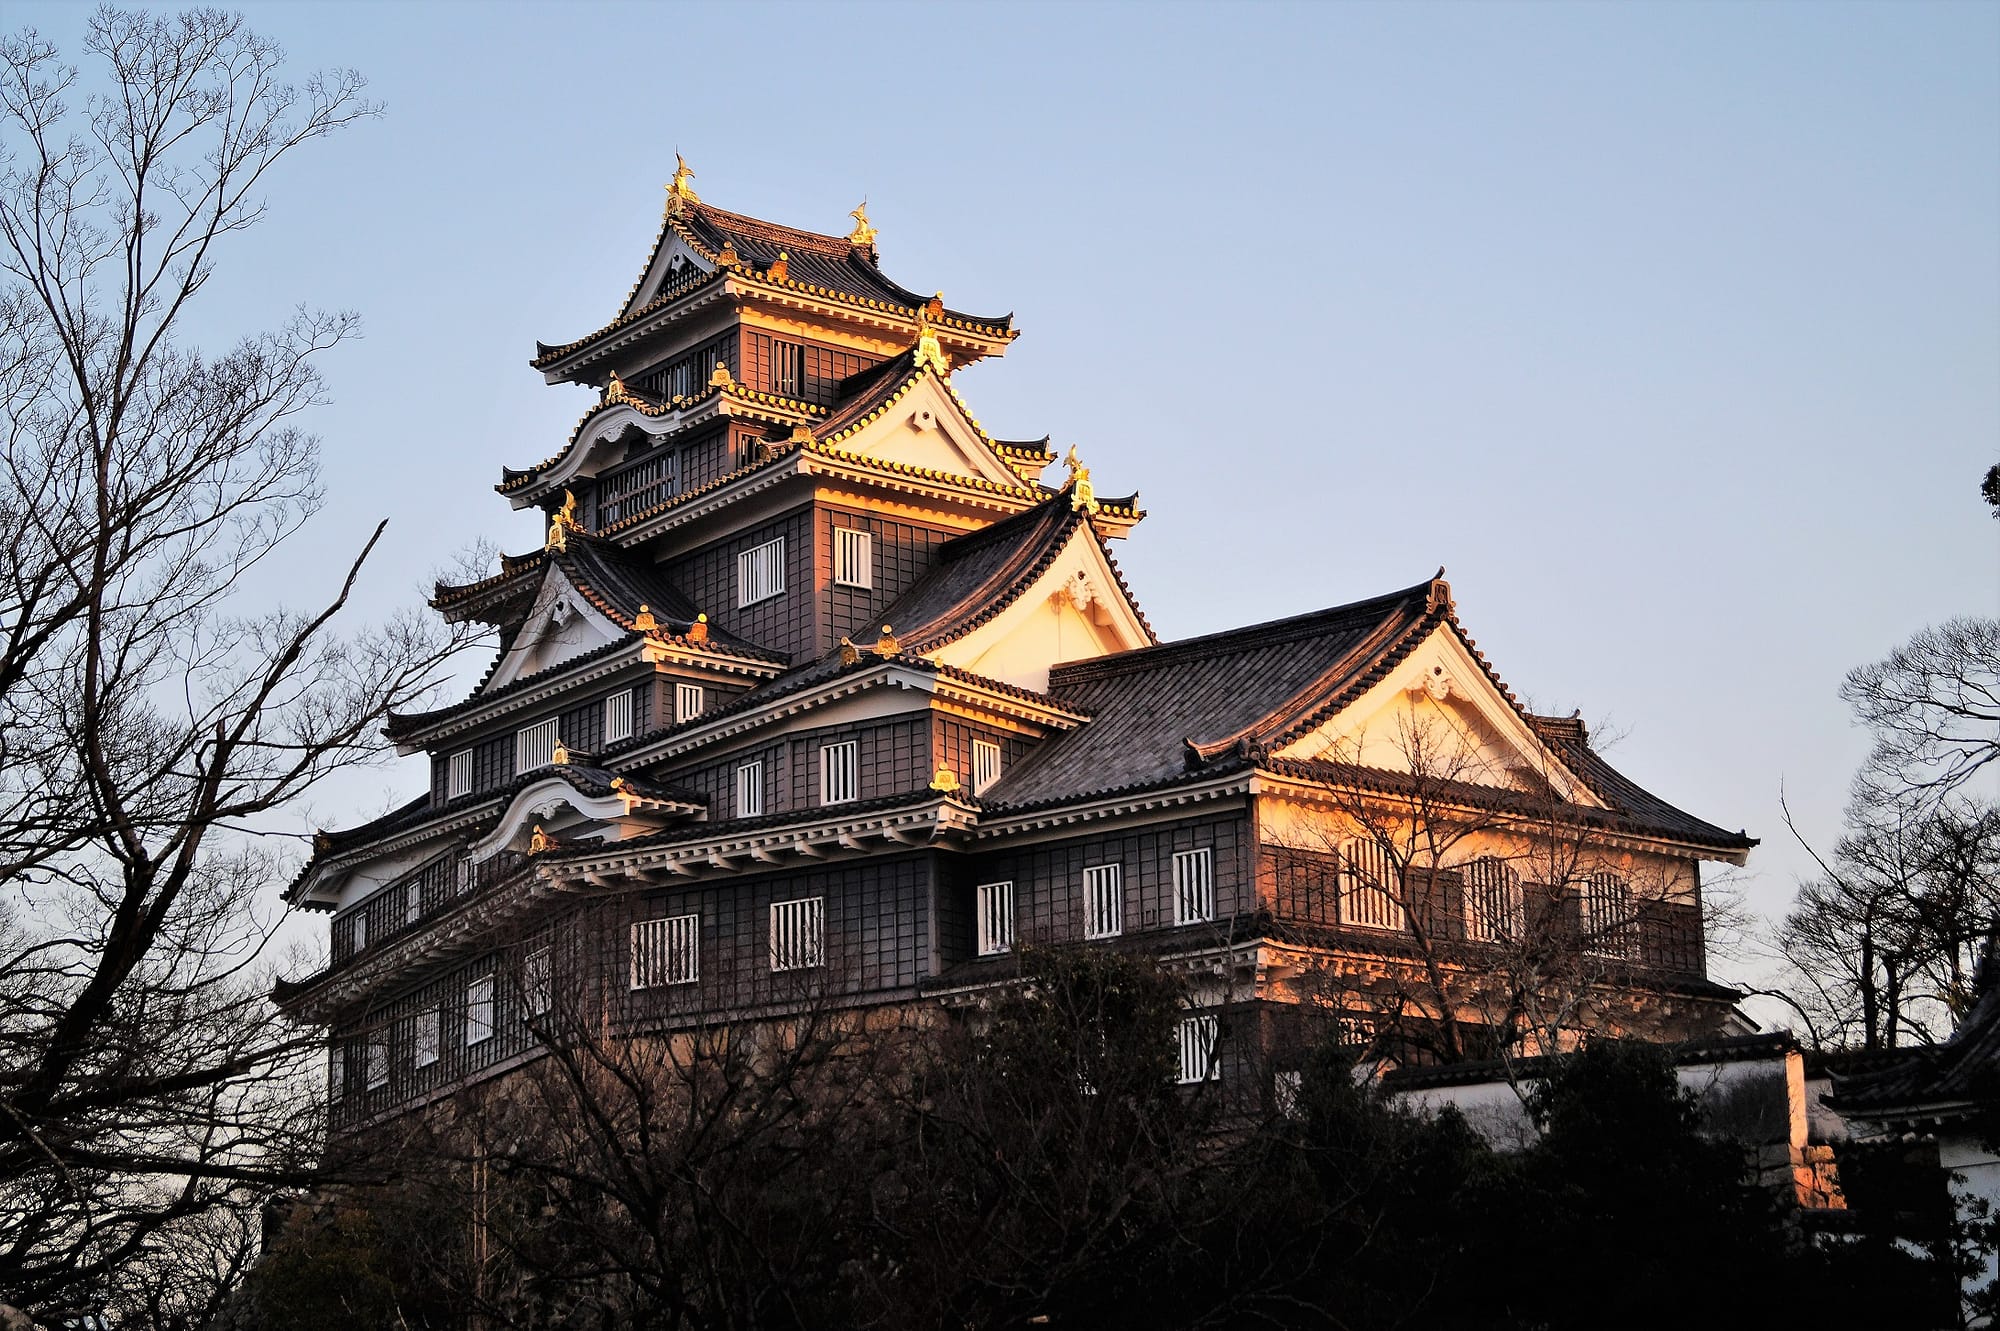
(935, 308)
(679, 192)
(926, 351)
(945, 780)
(540, 841)
(728, 258)
(560, 755)
(863, 234)
(849, 653)
(643, 622)
(802, 435)
(780, 266)
(720, 377)
(698, 631)
(562, 522)
(886, 645)
(614, 388)
(1082, 494)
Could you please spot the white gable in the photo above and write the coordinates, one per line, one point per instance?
(674, 261)
(1439, 713)
(1074, 611)
(561, 626)
(926, 427)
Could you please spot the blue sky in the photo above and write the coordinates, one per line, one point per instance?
(1672, 330)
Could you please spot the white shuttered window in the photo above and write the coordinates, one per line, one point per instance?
(760, 572)
(797, 933)
(535, 746)
(1368, 883)
(1493, 907)
(1194, 887)
(1198, 1035)
(618, 716)
(458, 774)
(1103, 901)
(479, 1010)
(376, 1064)
(666, 951)
(985, 765)
(853, 558)
(688, 701)
(996, 918)
(839, 772)
(750, 790)
(426, 1037)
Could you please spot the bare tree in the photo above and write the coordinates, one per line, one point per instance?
(1933, 706)
(150, 723)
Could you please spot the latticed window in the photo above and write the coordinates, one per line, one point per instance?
(688, 701)
(1608, 918)
(1103, 901)
(424, 1038)
(413, 903)
(985, 765)
(1197, 1039)
(618, 716)
(376, 1062)
(750, 790)
(666, 951)
(797, 933)
(479, 1010)
(535, 746)
(1494, 911)
(336, 1072)
(1194, 887)
(1368, 886)
(839, 772)
(458, 774)
(760, 572)
(853, 558)
(788, 368)
(996, 918)
(538, 982)
(360, 929)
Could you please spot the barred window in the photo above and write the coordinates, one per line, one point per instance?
(413, 907)
(360, 929)
(750, 789)
(985, 765)
(760, 572)
(336, 1072)
(797, 933)
(853, 558)
(1608, 916)
(1194, 887)
(535, 746)
(666, 951)
(788, 368)
(1493, 907)
(458, 774)
(479, 1010)
(1198, 1037)
(839, 772)
(376, 1062)
(1103, 901)
(462, 879)
(1369, 880)
(688, 701)
(425, 1037)
(996, 918)
(618, 716)
(538, 982)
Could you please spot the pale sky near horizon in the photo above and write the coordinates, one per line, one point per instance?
(1673, 331)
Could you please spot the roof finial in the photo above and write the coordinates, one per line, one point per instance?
(1082, 494)
(698, 631)
(562, 522)
(780, 267)
(886, 645)
(644, 622)
(863, 234)
(926, 351)
(945, 781)
(614, 388)
(679, 192)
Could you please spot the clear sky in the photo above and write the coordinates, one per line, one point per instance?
(1672, 330)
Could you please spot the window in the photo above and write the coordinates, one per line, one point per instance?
(360, 929)
(1198, 1035)
(336, 1072)
(1607, 916)
(687, 701)
(1103, 901)
(853, 558)
(750, 790)
(839, 778)
(375, 1062)
(1194, 887)
(797, 939)
(458, 774)
(535, 746)
(618, 716)
(425, 1037)
(538, 982)
(1493, 908)
(479, 1010)
(1368, 886)
(464, 876)
(413, 908)
(788, 368)
(760, 572)
(996, 918)
(985, 765)
(666, 951)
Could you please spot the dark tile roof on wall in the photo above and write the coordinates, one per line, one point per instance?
(1571, 743)
(1923, 1083)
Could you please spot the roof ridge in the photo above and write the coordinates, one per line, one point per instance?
(836, 246)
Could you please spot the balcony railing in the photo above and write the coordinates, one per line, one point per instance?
(420, 895)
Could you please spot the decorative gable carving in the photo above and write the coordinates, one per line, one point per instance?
(929, 429)
(1075, 610)
(560, 626)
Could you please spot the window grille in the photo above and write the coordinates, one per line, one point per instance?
(425, 1038)
(760, 572)
(458, 774)
(688, 701)
(336, 1072)
(797, 933)
(535, 746)
(1194, 887)
(839, 775)
(996, 918)
(853, 558)
(1368, 896)
(1493, 906)
(618, 716)
(985, 765)
(360, 929)
(377, 1062)
(464, 876)
(666, 951)
(479, 1010)
(1103, 901)
(538, 982)
(413, 907)
(1608, 916)
(788, 368)
(750, 790)
(1287, 1089)
(1198, 1036)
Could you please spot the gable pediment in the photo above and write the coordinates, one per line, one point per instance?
(672, 261)
(1074, 610)
(927, 427)
(561, 626)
